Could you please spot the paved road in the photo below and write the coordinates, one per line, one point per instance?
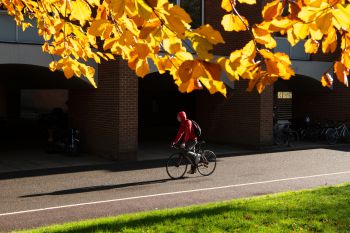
(33, 201)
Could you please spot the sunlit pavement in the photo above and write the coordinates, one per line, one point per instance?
(105, 190)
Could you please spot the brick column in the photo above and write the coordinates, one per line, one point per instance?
(266, 117)
(127, 91)
(108, 116)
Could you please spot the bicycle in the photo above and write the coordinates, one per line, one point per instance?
(178, 162)
(336, 133)
(283, 134)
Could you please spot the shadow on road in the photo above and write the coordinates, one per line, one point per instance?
(140, 165)
(99, 188)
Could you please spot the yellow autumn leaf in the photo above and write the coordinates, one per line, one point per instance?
(190, 85)
(184, 56)
(342, 73)
(264, 37)
(229, 68)
(117, 7)
(214, 86)
(301, 30)
(142, 50)
(249, 51)
(188, 74)
(277, 65)
(315, 32)
(213, 36)
(277, 25)
(176, 25)
(342, 16)
(345, 42)
(172, 45)
(291, 37)
(89, 74)
(235, 55)
(68, 72)
(327, 80)
(110, 56)
(311, 46)
(142, 68)
(272, 10)
(345, 59)
(163, 64)
(108, 43)
(190, 70)
(310, 13)
(143, 9)
(53, 65)
(81, 11)
(202, 47)
(213, 71)
(329, 43)
(232, 22)
(148, 27)
(250, 2)
(26, 25)
(102, 12)
(94, 2)
(324, 22)
(98, 27)
(227, 5)
(180, 14)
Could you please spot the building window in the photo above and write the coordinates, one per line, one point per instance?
(195, 8)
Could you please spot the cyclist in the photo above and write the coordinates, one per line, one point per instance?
(189, 138)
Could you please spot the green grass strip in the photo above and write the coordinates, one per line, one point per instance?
(324, 209)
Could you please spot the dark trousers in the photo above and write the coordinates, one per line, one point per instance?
(190, 147)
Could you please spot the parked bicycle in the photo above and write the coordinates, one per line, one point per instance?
(340, 132)
(178, 162)
(283, 134)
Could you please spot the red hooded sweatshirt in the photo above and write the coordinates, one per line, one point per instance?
(186, 129)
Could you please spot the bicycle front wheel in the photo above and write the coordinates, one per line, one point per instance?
(207, 163)
(176, 166)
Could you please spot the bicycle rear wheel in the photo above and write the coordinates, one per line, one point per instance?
(279, 138)
(293, 137)
(332, 136)
(207, 163)
(176, 166)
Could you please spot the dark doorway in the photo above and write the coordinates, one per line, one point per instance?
(26, 93)
(159, 103)
(302, 96)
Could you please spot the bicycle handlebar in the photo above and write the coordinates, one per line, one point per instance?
(176, 147)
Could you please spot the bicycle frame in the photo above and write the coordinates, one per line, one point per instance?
(184, 153)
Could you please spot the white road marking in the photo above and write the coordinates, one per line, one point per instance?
(173, 193)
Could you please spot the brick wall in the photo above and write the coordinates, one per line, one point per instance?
(322, 104)
(213, 14)
(107, 116)
(243, 118)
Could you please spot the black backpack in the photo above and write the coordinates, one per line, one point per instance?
(197, 128)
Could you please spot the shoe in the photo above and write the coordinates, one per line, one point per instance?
(192, 171)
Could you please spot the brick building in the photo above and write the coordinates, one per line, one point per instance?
(124, 111)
